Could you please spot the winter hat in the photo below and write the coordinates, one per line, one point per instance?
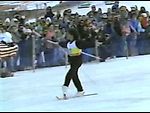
(48, 19)
(15, 19)
(7, 20)
(144, 14)
(123, 8)
(133, 8)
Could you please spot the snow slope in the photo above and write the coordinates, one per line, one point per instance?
(122, 85)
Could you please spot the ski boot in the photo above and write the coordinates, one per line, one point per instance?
(80, 93)
(64, 89)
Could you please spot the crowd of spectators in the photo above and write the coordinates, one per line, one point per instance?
(116, 31)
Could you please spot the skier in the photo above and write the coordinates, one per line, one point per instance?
(75, 47)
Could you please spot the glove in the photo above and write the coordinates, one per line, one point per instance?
(11, 44)
(3, 42)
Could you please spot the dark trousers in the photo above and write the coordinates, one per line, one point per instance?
(75, 63)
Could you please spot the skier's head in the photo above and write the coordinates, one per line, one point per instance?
(73, 34)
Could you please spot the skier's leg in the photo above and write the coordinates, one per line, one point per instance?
(77, 83)
(76, 79)
(68, 78)
(66, 83)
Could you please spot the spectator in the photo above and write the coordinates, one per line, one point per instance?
(104, 48)
(49, 50)
(64, 24)
(142, 10)
(144, 20)
(6, 39)
(7, 23)
(123, 13)
(49, 13)
(99, 15)
(115, 7)
(146, 40)
(58, 15)
(93, 12)
(147, 30)
(16, 37)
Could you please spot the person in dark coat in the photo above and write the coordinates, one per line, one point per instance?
(75, 47)
(49, 13)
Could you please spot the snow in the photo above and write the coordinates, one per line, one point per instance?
(41, 4)
(30, 5)
(122, 85)
(101, 4)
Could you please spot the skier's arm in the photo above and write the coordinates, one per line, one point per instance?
(85, 44)
(63, 44)
(80, 44)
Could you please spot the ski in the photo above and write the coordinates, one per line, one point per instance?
(71, 97)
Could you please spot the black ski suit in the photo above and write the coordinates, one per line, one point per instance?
(75, 62)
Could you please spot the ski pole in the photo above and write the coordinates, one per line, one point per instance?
(66, 55)
(81, 52)
(91, 55)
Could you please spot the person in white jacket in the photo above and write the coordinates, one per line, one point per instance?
(5, 35)
(6, 39)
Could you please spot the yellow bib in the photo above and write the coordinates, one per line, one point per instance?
(73, 49)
